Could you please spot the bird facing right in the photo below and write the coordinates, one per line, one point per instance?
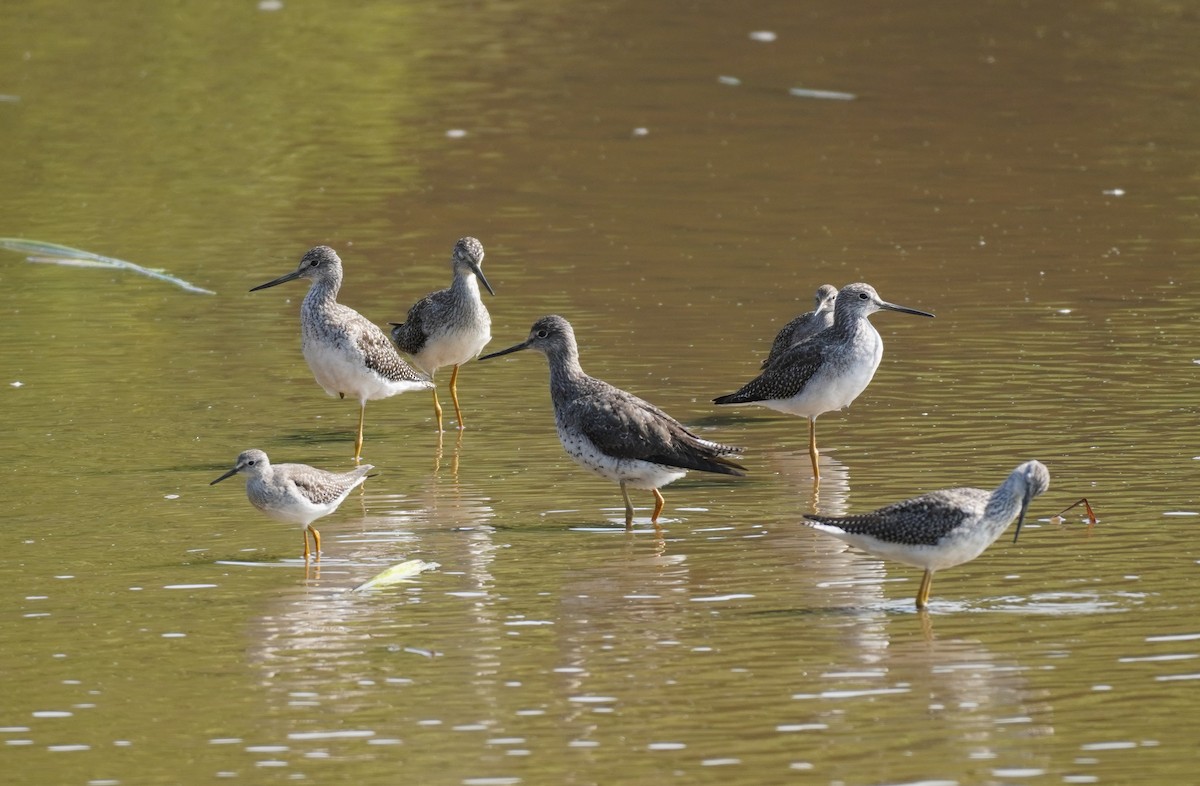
(827, 371)
(295, 493)
(943, 528)
(450, 326)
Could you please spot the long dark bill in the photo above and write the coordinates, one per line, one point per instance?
(478, 271)
(288, 277)
(904, 309)
(510, 350)
(228, 474)
(1021, 516)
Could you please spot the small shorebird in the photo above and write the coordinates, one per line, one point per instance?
(806, 325)
(348, 354)
(295, 493)
(614, 433)
(943, 528)
(829, 370)
(450, 326)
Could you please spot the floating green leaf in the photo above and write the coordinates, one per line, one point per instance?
(54, 254)
(403, 571)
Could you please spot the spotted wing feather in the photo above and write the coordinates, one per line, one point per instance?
(322, 487)
(627, 427)
(380, 356)
(412, 334)
(783, 378)
(799, 329)
(921, 521)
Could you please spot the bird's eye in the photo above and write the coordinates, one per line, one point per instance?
(863, 296)
(250, 463)
(542, 333)
(314, 263)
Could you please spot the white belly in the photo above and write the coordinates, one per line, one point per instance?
(836, 384)
(452, 348)
(339, 372)
(293, 508)
(635, 473)
(950, 551)
(343, 371)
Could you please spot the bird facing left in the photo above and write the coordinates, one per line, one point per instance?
(295, 493)
(348, 354)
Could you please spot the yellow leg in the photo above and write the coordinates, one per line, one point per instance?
(454, 397)
(658, 506)
(316, 541)
(362, 413)
(923, 590)
(812, 448)
(437, 410)
(628, 507)
(304, 532)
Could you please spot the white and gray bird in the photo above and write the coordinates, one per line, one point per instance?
(806, 325)
(613, 433)
(348, 354)
(294, 493)
(829, 370)
(451, 326)
(943, 528)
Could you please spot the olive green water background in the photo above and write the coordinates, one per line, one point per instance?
(1026, 171)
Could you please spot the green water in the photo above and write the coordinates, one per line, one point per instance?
(1026, 173)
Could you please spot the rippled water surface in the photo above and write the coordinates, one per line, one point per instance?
(1026, 173)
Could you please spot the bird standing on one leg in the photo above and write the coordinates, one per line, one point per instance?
(295, 493)
(614, 433)
(450, 326)
(348, 354)
(827, 371)
(943, 528)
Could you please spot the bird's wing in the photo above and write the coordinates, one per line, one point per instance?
(783, 340)
(783, 378)
(380, 356)
(322, 487)
(627, 427)
(920, 521)
(410, 335)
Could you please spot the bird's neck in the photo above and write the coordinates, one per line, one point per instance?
(846, 318)
(262, 478)
(565, 371)
(466, 284)
(323, 292)
(848, 327)
(1005, 502)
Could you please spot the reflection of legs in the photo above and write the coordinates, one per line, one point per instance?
(437, 409)
(362, 413)
(454, 397)
(923, 590)
(628, 507)
(812, 447)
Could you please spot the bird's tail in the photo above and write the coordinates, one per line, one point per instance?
(739, 397)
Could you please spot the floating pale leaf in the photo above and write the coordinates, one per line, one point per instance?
(403, 571)
(829, 95)
(54, 254)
